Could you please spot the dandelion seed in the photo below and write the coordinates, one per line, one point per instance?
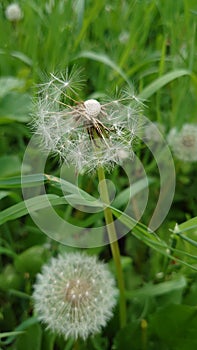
(86, 134)
(13, 13)
(74, 306)
(184, 142)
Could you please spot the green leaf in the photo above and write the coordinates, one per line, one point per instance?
(31, 339)
(141, 232)
(15, 107)
(162, 81)
(31, 260)
(22, 57)
(102, 58)
(189, 224)
(7, 252)
(152, 290)
(176, 326)
(78, 196)
(22, 327)
(190, 229)
(8, 334)
(128, 193)
(48, 340)
(39, 179)
(8, 84)
(131, 334)
(41, 202)
(9, 165)
(36, 203)
(27, 181)
(4, 194)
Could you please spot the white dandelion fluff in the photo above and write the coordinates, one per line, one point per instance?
(86, 134)
(13, 12)
(75, 295)
(184, 142)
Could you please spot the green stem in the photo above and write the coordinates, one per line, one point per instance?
(113, 243)
(76, 345)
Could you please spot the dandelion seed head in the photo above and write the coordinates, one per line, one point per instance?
(85, 134)
(184, 142)
(13, 12)
(75, 306)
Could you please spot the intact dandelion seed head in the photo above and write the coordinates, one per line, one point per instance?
(184, 142)
(13, 12)
(86, 134)
(74, 295)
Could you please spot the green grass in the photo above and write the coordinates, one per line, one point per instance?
(149, 48)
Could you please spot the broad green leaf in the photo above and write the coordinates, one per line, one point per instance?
(8, 84)
(162, 81)
(31, 260)
(10, 279)
(131, 334)
(31, 339)
(15, 107)
(48, 340)
(176, 326)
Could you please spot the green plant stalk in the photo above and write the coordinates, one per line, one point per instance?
(76, 345)
(113, 244)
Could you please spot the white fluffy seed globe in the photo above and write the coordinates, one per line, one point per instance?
(75, 295)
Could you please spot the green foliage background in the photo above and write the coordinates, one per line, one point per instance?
(149, 46)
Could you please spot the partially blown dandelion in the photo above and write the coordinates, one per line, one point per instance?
(85, 134)
(75, 294)
(184, 142)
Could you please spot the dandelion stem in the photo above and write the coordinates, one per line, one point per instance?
(76, 345)
(113, 243)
